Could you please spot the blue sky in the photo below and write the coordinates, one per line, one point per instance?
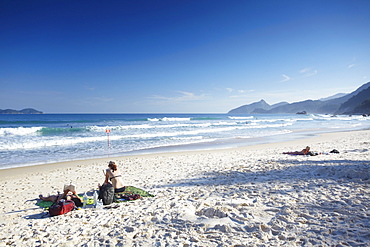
(178, 56)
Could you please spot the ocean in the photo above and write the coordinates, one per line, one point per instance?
(47, 138)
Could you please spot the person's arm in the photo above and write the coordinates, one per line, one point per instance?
(60, 197)
(106, 177)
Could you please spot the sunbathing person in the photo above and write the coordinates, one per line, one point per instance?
(113, 175)
(69, 193)
(303, 152)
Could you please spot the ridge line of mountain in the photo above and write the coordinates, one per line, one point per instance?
(357, 102)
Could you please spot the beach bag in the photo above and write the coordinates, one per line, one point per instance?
(106, 193)
(134, 197)
(131, 197)
(61, 207)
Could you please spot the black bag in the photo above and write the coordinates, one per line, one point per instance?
(106, 193)
(77, 201)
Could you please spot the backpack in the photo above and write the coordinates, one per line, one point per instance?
(61, 207)
(77, 201)
(106, 193)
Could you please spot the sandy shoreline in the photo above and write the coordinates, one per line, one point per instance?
(250, 196)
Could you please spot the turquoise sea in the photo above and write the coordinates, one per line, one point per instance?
(46, 138)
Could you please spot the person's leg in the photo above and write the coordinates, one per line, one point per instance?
(51, 198)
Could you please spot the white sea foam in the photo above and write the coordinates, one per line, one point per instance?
(168, 119)
(166, 126)
(19, 131)
(189, 138)
(33, 142)
(36, 143)
(337, 117)
(249, 117)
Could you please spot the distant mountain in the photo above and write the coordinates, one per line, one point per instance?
(338, 95)
(257, 107)
(357, 104)
(24, 111)
(310, 106)
(332, 105)
(362, 108)
(265, 110)
(246, 109)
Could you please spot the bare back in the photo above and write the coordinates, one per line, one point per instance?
(115, 177)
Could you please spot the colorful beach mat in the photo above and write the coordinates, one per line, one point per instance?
(130, 190)
(47, 204)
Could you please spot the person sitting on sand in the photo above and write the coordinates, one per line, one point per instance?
(114, 176)
(303, 152)
(67, 194)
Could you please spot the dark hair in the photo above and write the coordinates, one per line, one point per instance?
(77, 202)
(113, 166)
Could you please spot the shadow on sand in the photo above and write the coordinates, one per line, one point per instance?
(289, 171)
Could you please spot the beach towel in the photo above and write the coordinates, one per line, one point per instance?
(129, 190)
(47, 204)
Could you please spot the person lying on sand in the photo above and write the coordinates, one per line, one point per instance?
(66, 195)
(113, 175)
(303, 152)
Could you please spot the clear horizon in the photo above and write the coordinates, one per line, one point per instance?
(179, 57)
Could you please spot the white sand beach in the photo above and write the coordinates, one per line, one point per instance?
(251, 196)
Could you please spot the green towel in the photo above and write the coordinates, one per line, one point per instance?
(129, 190)
(44, 204)
(47, 204)
(133, 190)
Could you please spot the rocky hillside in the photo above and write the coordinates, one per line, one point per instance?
(353, 103)
(257, 107)
(356, 104)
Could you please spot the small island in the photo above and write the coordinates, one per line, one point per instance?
(24, 111)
